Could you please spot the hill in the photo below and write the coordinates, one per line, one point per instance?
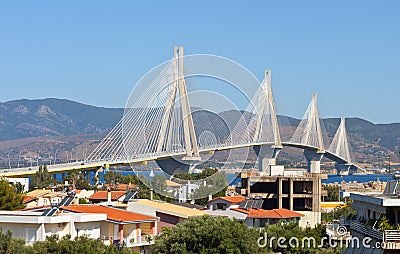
(42, 128)
(34, 118)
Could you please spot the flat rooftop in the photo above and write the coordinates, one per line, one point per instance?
(377, 198)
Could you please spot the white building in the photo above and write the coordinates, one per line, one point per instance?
(32, 226)
(23, 181)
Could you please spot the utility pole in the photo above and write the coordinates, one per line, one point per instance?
(389, 175)
(55, 157)
(19, 158)
(9, 160)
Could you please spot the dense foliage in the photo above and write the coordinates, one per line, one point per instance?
(207, 234)
(348, 212)
(41, 179)
(333, 193)
(77, 179)
(11, 196)
(292, 230)
(54, 245)
(215, 185)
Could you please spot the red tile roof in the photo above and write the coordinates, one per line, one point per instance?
(112, 213)
(121, 186)
(28, 199)
(102, 195)
(270, 214)
(231, 199)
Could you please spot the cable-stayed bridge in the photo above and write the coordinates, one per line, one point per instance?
(161, 125)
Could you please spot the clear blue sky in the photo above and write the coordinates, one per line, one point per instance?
(348, 52)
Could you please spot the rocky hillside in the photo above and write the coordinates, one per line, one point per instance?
(30, 127)
(55, 117)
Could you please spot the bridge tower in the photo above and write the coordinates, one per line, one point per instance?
(341, 148)
(178, 86)
(309, 133)
(267, 154)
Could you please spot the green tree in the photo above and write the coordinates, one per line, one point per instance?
(10, 198)
(112, 177)
(78, 180)
(215, 185)
(333, 193)
(54, 245)
(41, 179)
(82, 244)
(347, 212)
(384, 224)
(10, 245)
(207, 234)
(289, 230)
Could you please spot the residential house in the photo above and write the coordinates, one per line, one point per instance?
(34, 226)
(257, 218)
(83, 194)
(169, 214)
(223, 203)
(107, 196)
(42, 198)
(133, 229)
(371, 207)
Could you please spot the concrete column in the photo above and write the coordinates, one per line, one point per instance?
(313, 160)
(342, 168)
(291, 194)
(266, 157)
(280, 192)
(72, 229)
(133, 235)
(41, 234)
(138, 233)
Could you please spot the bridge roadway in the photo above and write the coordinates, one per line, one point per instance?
(93, 165)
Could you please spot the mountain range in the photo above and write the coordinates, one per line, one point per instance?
(48, 124)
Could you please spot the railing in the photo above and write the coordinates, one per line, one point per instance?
(392, 236)
(366, 230)
(130, 242)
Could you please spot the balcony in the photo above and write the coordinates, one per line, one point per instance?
(142, 240)
(366, 230)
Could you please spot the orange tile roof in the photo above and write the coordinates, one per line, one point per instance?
(121, 186)
(28, 199)
(113, 214)
(231, 199)
(102, 195)
(271, 214)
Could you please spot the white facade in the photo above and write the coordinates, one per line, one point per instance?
(23, 181)
(32, 227)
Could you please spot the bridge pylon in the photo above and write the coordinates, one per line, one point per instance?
(309, 134)
(340, 147)
(178, 88)
(267, 128)
(309, 130)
